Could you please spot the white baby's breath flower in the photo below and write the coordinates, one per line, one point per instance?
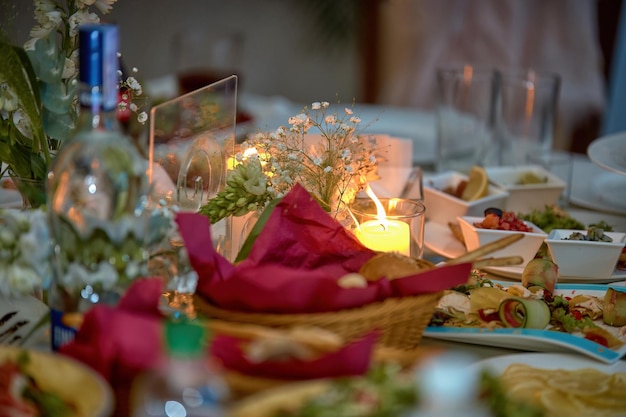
(348, 111)
(333, 168)
(142, 117)
(134, 85)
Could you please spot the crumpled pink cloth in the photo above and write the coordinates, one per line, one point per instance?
(124, 341)
(352, 359)
(295, 263)
(121, 341)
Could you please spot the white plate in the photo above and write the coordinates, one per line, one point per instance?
(598, 189)
(71, 380)
(439, 239)
(534, 339)
(566, 361)
(609, 152)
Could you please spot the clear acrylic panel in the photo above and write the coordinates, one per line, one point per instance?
(191, 138)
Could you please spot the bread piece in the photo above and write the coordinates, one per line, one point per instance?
(392, 265)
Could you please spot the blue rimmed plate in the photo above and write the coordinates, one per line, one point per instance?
(536, 340)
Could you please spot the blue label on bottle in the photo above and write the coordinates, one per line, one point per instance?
(62, 333)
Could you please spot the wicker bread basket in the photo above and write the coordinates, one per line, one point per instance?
(401, 321)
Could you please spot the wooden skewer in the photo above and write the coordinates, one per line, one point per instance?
(505, 261)
(486, 249)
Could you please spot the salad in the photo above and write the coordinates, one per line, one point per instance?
(553, 217)
(484, 304)
(21, 396)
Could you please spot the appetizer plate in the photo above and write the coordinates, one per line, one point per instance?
(534, 339)
(609, 152)
(439, 239)
(71, 380)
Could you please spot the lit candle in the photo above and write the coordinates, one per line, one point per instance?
(383, 234)
(386, 236)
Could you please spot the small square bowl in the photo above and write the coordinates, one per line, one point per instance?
(583, 258)
(524, 198)
(442, 207)
(526, 247)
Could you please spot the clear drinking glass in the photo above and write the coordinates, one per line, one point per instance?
(527, 114)
(466, 111)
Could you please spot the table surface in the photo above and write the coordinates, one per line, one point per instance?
(277, 110)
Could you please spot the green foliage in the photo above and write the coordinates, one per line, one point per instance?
(25, 152)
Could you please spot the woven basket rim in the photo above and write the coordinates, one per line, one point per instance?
(396, 303)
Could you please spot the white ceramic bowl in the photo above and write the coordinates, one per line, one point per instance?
(582, 258)
(526, 247)
(442, 207)
(523, 198)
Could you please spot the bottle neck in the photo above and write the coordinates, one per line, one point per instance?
(97, 111)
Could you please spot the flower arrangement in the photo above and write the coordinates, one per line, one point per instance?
(25, 253)
(333, 165)
(24, 259)
(39, 87)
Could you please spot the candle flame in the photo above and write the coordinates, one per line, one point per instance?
(249, 152)
(380, 210)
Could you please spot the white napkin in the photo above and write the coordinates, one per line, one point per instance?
(395, 156)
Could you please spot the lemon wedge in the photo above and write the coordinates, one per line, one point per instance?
(477, 184)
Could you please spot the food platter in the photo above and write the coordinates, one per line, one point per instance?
(609, 152)
(568, 361)
(439, 239)
(534, 339)
(71, 380)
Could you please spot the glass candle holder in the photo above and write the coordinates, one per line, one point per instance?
(400, 230)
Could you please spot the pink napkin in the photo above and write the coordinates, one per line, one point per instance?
(119, 342)
(352, 359)
(123, 341)
(295, 263)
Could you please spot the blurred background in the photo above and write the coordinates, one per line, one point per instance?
(372, 51)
